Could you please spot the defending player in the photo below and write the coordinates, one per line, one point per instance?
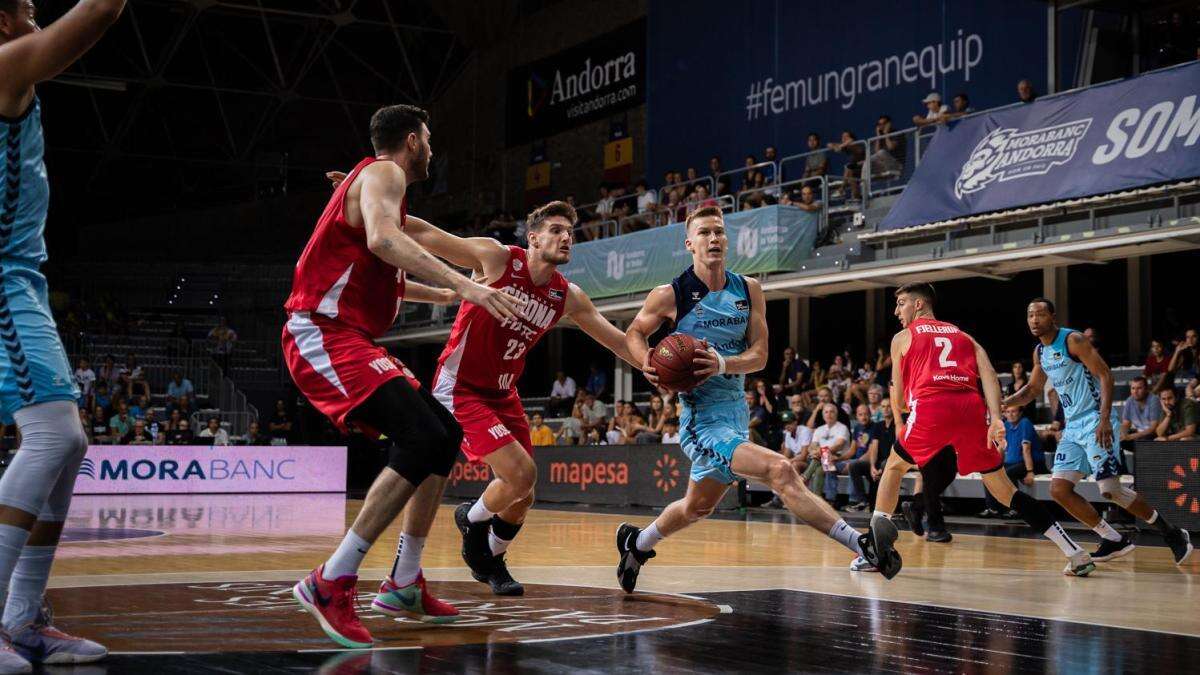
(38, 391)
(938, 369)
(346, 291)
(1085, 387)
(729, 312)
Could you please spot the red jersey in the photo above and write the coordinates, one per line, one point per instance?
(940, 359)
(339, 277)
(487, 355)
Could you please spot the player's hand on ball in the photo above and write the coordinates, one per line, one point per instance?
(996, 435)
(498, 303)
(336, 177)
(704, 362)
(1104, 435)
(650, 373)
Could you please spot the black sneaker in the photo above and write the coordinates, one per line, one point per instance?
(857, 507)
(631, 559)
(1181, 545)
(499, 579)
(877, 547)
(940, 536)
(914, 513)
(476, 552)
(1111, 550)
(989, 513)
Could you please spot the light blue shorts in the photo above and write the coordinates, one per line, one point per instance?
(709, 435)
(33, 363)
(1078, 450)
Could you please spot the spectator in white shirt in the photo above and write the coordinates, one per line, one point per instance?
(215, 432)
(85, 378)
(935, 110)
(829, 440)
(671, 431)
(604, 207)
(562, 395)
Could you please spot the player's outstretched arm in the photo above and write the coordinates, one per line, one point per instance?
(416, 292)
(1081, 348)
(1037, 380)
(588, 318)
(40, 55)
(991, 394)
(485, 255)
(659, 307)
(383, 186)
(754, 358)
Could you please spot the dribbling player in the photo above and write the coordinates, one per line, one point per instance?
(1085, 387)
(346, 291)
(938, 369)
(37, 389)
(727, 311)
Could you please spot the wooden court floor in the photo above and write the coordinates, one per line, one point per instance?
(183, 583)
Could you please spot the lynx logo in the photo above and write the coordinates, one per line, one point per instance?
(742, 305)
(1005, 154)
(616, 265)
(88, 468)
(747, 242)
(498, 431)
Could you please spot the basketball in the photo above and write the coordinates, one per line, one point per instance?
(672, 360)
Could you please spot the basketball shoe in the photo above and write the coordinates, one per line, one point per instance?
(331, 602)
(631, 557)
(40, 642)
(414, 599)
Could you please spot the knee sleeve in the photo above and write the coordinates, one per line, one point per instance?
(41, 478)
(1032, 512)
(1116, 493)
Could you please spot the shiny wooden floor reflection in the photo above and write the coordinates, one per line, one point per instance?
(209, 540)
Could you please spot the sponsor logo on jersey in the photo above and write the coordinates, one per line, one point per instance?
(742, 305)
(699, 311)
(517, 265)
(1006, 154)
(498, 431)
(555, 294)
(696, 296)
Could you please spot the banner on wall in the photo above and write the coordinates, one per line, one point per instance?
(767, 239)
(584, 83)
(1117, 136)
(144, 469)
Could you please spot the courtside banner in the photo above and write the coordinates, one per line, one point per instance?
(766, 239)
(1118, 136)
(156, 469)
(614, 475)
(1168, 476)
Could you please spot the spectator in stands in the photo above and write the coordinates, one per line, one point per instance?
(254, 436)
(808, 199)
(875, 403)
(1025, 92)
(656, 420)
(888, 150)
(1187, 353)
(1157, 364)
(570, 432)
(816, 163)
(179, 386)
(98, 431)
(85, 379)
(133, 377)
(597, 382)
(85, 418)
(1141, 413)
(595, 414)
(120, 423)
(796, 438)
(854, 456)
(152, 425)
(825, 397)
(139, 407)
(1179, 416)
(855, 154)
(793, 372)
(671, 431)
(962, 106)
(183, 405)
(1023, 458)
(935, 111)
(108, 373)
(769, 153)
(676, 211)
(758, 419)
(280, 425)
(173, 419)
(714, 165)
(138, 435)
(222, 339)
(181, 435)
(539, 433)
(604, 207)
(562, 395)
(215, 432)
(829, 440)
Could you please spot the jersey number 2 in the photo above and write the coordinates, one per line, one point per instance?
(944, 358)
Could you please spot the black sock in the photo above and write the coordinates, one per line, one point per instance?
(1032, 512)
(504, 529)
(1161, 523)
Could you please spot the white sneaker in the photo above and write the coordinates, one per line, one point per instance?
(41, 642)
(860, 564)
(10, 660)
(1080, 564)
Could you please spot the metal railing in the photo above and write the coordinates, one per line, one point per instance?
(819, 183)
(746, 170)
(223, 394)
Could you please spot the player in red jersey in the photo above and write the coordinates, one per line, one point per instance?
(937, 369)
(346, 291)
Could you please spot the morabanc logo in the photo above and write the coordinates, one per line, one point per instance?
(1005, 154)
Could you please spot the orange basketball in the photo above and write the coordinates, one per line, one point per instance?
(672, 360)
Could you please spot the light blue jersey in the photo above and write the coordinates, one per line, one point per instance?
(33, 364)
(715, 418)
(1079, 394)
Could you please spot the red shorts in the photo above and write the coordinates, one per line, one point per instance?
(957, 419)
(335, 366)
(490, 420)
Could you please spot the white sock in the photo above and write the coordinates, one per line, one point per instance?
(648, 538)
(348, 556)
(846, 536)
(1105, 530)
(881, 514)
(407, 564)
(12, 540)
(28, 585)
(497, 544)
(1059, 537)
(479, 512)
(1153, 517)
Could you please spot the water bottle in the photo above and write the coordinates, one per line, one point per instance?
(826, 463)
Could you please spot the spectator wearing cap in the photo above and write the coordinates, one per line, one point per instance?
(935, 111)
(796, 438)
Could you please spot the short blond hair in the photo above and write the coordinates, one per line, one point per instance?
(710, 210)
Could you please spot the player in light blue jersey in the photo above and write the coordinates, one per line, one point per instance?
(1085, 388)
(727, 311)
(37, 390)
